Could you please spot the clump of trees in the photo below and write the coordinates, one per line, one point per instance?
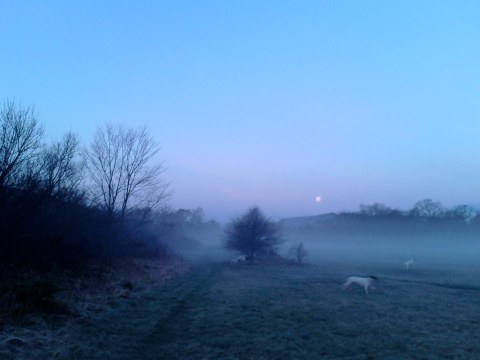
(185, 230)
(61, 205)
(188, 219)
(252, 234)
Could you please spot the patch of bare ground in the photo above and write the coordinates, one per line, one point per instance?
(83, 297)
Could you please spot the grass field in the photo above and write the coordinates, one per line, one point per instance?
(223, 311)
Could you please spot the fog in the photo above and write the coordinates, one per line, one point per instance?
(198, 245)
(431, 245)
(395, 249)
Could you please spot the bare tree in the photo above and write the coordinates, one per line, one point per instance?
(119, 162)
(251, 234)
(298, 252)
(20, 136)
(60, 166)
(428, 208)
(465, 212)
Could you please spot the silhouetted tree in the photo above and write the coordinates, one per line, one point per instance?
(428, 208)
(463, 212)
(120, 164)
(251, 234)
(60, 167)
(188, 218)
(298, 252)
(20, 136)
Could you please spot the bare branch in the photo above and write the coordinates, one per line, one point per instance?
(20, 136)
(119, 164)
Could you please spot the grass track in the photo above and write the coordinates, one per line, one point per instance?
(220, 311)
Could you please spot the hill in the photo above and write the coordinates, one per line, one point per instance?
(306, 221)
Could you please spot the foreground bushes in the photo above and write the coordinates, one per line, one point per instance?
(30, 293)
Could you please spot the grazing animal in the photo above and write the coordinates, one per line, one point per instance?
(362, 281)
(240, 259)
(408, 264)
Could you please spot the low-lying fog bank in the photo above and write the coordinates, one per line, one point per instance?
(345, 247)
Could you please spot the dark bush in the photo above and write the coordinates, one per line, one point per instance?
(31, 294)
(127, 285)
(252, 234)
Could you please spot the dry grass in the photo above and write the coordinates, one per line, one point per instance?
(99, 289)
(274, 311)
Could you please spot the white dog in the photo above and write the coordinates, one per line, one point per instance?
(362, 281)
(408, 264)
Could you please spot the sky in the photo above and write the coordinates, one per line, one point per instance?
(267, 103)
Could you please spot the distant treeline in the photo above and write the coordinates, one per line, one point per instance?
(426, 216)
(62, 204)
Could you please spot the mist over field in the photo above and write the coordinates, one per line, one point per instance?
(329, 239)
(272, 307)
(450, 248)
(200, 180)
(353, 244)
(278, 310)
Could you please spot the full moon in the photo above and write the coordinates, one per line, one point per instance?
(318, 199)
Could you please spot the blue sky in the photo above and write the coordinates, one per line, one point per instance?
(265, 102)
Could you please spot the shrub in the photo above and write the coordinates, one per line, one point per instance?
(252, 234)
(31, 294)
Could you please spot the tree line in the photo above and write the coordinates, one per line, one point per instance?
(425, 209)
(62, 204)
(426, 216)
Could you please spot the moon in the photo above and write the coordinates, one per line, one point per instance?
(318, 199)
